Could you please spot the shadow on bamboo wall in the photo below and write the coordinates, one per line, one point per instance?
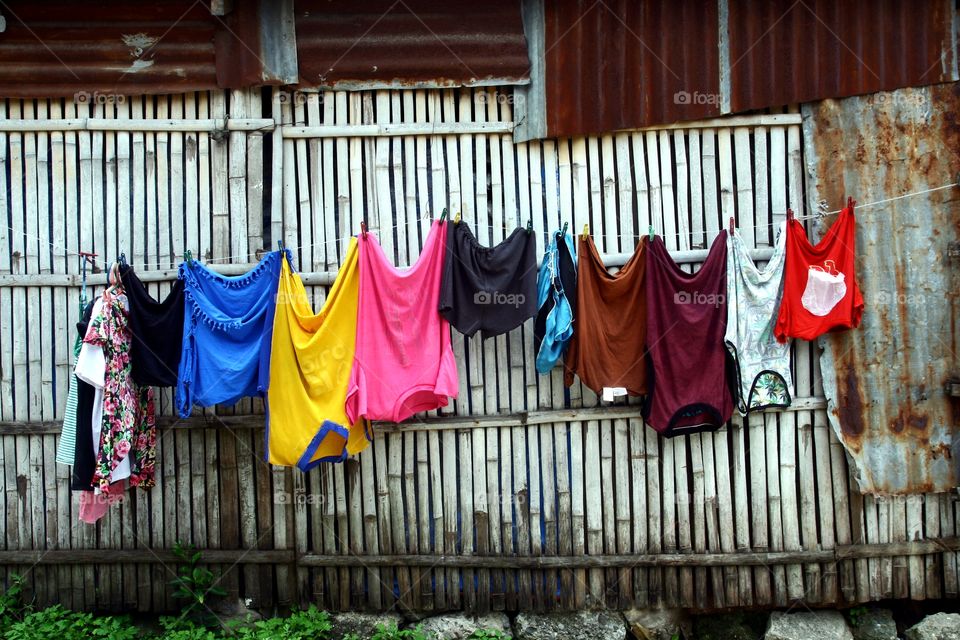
(523, 493)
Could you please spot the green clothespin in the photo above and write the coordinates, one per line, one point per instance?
(650, 229)
(564, 232)
(443, 216)
(280, 246)
(188, 257)
(530, 224)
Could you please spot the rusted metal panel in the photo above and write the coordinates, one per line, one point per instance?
(786, 52)
(428, 43)
(624, 64)
(888, 382)
(52, 49)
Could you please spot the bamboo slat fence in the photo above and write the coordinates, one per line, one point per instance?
(522, 494)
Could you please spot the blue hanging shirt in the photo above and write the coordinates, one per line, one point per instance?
(227, 329)
(556, 301)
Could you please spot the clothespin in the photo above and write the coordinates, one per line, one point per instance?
(564, 232)
(851, 203)
(456, 219)
(188, 257)
(650, 230)
(789, 214)
(363, 226)
(443, 215)
(731, 226)
(280, 246)
(85, 257)
(122, 260)
(586, 231)
(530, 224)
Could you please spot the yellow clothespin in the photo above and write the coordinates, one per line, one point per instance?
(586, 231)
(456, 219)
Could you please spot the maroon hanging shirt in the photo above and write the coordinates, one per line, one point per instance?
(689, 388)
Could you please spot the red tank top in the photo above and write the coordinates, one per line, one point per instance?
(820, 291)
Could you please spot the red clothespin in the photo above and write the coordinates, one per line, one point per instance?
(789, 214)
(731, 226)
(851, 203)
(363, 228)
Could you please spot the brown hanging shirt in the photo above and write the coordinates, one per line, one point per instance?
(610, 330)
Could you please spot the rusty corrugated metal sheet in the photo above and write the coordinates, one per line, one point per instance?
(786, 52)
(348, 44)
(886, 381)
(624, 64)
(52, 49)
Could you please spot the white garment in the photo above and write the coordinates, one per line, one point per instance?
(91, 367)
(753, 303)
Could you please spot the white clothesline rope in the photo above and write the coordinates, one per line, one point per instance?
(411, 223)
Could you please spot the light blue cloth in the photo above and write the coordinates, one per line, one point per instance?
(559, 320)
(227, 329)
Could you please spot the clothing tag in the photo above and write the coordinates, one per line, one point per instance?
(609, 393)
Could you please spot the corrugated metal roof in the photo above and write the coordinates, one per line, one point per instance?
(416, 43)
(52, 49)
(786, 52)
(624, 64)
(886, 381)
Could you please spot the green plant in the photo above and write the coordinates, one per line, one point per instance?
(195, 584)
(311, 624)
(57, 623)
(390, 632)
(12, 605)
(182, 628)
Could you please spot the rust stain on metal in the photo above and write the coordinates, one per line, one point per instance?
(58, 48)
(850, 407)
(622, 64)
(887, 382)
(417, 43)
(785, 52)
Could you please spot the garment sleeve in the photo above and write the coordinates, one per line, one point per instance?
(91, 365)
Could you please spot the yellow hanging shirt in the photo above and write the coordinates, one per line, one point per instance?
(310, 362)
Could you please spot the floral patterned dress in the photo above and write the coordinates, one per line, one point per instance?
(129, 426)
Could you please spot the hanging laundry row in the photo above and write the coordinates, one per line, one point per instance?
(695, 345)
(109, 428)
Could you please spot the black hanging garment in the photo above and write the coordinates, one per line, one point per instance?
(157, 329)
(83, 457)
(488, 289)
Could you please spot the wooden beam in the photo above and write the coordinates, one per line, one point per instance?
(14, 427)
(202, 125)
(143, 556)
(318, 278)
(256, 556)
(401, 129)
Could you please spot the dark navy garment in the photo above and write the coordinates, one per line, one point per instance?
(157, 329)
(488, 289)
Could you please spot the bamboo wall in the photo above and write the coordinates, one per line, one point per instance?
(522, 494)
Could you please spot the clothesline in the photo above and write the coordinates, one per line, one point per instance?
(333, 241)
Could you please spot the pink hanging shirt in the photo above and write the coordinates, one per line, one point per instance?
(404, 363)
